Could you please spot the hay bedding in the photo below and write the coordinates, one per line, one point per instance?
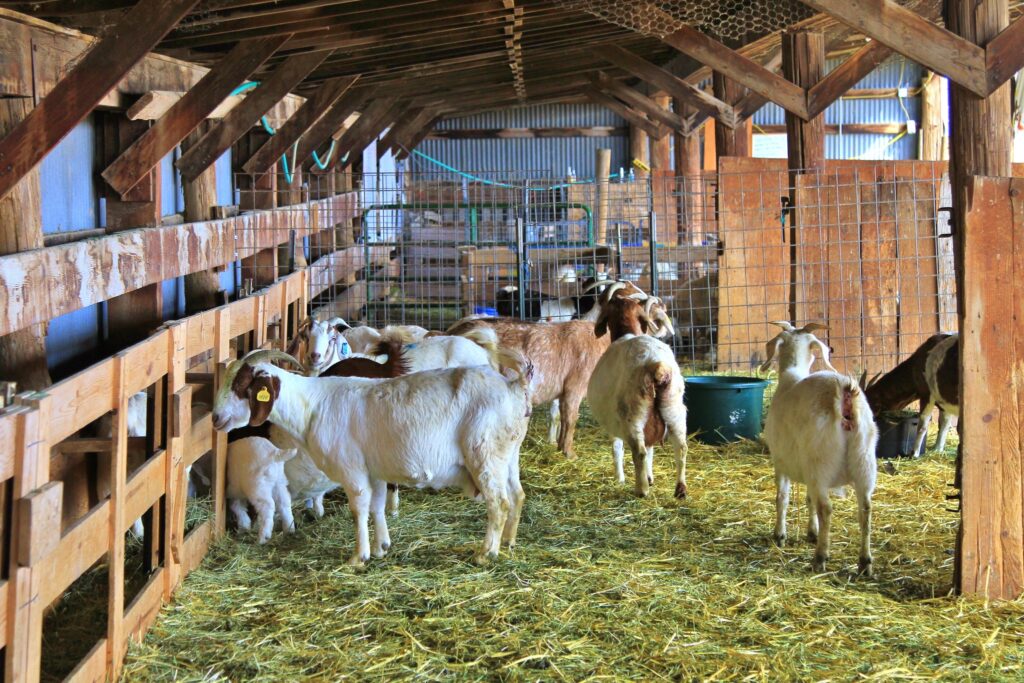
(602, 586)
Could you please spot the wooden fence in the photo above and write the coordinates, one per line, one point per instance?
(178, 367)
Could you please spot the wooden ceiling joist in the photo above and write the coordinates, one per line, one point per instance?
(299, 122)
(639, 102)
(405, 131)
(401, 124)
(741, 69)
(208, 149)
(77, 94)
(913, 36)
(416, 138)
(372, 120)
(188, 112)
(669, 83)
(655, 130)
(155, 103)
(333, 119)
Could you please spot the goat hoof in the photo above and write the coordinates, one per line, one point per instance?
(818, 564)
(385, 546)
(379, 553)
(640, 493)
(812, 536)
(570, 456)
(357, 561)
(680, 490)
(780, 540)
(865, 567)
(650, 480)
(484, 559)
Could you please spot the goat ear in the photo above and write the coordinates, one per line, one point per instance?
(601, 326)
(787, 326)
(263, 392)
(342, 326)
(811, 327)
(770, 349)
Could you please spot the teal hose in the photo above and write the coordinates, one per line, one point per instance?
(251, 85)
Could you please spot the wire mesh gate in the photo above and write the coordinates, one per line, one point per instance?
(865, 249)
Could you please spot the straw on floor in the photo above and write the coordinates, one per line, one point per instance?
(603, 585)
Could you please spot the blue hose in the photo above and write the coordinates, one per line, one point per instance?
(251, 85)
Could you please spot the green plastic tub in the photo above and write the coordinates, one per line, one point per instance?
(724, 409)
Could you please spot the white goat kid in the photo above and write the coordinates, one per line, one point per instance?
(459, 427)
(820, 432)
(256, 475)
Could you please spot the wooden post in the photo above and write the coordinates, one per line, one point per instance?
(22, 353)
(803, 63)
(202, 290)
(639, 150)
(602, 169)
(661, 148)
(730, 142)
(981, 143)
(934, 145)
(691, 198)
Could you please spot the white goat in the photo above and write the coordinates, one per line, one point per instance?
(256, 475)
(322, 342)
(362, 339)
(459, 427)
(136, 419)
(636, 390)
(820, 432)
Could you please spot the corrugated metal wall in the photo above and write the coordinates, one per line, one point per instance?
(550, 157)
(895, 73)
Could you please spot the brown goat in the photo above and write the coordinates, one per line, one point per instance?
(395, 366)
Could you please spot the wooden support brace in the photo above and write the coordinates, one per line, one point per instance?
(1004, 55)
(330, 122)
(639, 102)
(417, 138)
(377, 115)
(845, 76)
(188, 112)
(913, 36)
(285, 77)
(154, 104)
(78, 93)
(653, 129)
(299, 122)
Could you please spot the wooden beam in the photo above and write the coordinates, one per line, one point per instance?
(417, 138)
(326, 95)
(749, 73)
(209, 148)
(639, 101)
(406, 132)
(500, 133)
(155, 103)
(729, 142)
(845, 76)
(333, 119)
(188, 112)
(913, 36)
(377, 116)
(1004, 54)
(409, 116)
(672, 85)
(634, 118)
(78, 93)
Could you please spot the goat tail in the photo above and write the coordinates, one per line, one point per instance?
(850, 404)
(509, 361)
(392, 332)
(393, 347)
(657, 380)
(487, 339)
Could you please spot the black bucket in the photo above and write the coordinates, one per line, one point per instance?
(896, 435)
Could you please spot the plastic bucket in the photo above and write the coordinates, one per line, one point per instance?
(896, 435)
(484, 310)
(724, 409)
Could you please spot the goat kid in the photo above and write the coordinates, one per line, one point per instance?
(636, 392)
(256, 475)
(820, 432)
(460, 427)
(930, 376)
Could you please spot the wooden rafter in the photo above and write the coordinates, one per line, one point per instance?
(207, 150)
(410, 114)
(655, 130)
(267, 155)
(416, 138)
(913, 36)
(672, 85)
(78, 93)
(845, 76)
(639, 102)
(373, 119)
(1004, 54)
(332, 120)
(405, 131)
(188, 112)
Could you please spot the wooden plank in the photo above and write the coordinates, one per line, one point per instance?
(188, 112)
(78, 93)
(197, 544)
(218, 140)
(39, 285)
(117, 520)
(330, 122)
(144, 608)
(816, 216)
(155, 103)
(945, 264)
(991, 344)
(145, 362)
(879, 268)
(146, 485)
(80, 399)
(640, 102)
(267, 155)
(754, 265)
(635, 118)
(1003, 54)
(667, 81)
(846, 292)
(913, 36)
(378, 114)
(505, 133)
(81, 546)
(39, 529)
(93, 667)
(839, 81)
(711, 53)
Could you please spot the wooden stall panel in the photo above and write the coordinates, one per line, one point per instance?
(992, 349)
(754, 275)
(878, 251)
(918, 288)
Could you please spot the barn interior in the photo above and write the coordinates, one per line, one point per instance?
(186, 181)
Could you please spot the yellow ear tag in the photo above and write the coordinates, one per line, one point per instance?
(263, 396)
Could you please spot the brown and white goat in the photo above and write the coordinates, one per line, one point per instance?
(563, 356)
(931, 377)
(636, 391)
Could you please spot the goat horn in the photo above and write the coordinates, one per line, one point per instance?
(788, 327)
(612, 288)
(595, 284)
(268, 355)
(639, 296)
(811, 327)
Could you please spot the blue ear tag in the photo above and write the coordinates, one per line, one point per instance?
(410, 347)
(345, 350)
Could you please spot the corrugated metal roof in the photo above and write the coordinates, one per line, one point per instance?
(539, 157)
